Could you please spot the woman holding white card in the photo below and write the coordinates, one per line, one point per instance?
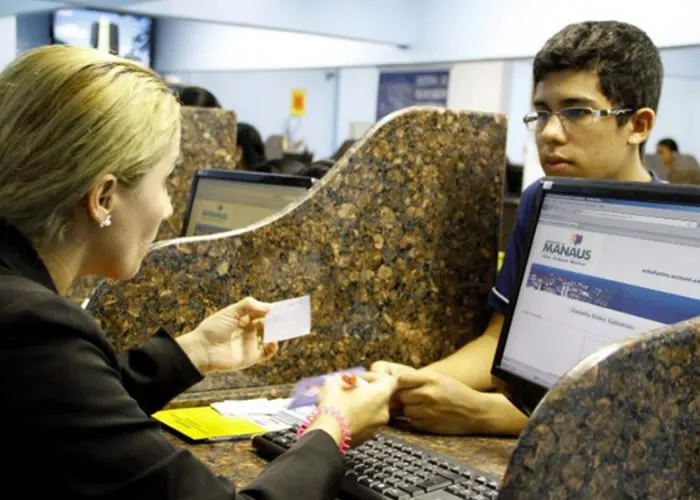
(87, 141)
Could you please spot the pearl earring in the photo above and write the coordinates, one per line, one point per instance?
(106, 221)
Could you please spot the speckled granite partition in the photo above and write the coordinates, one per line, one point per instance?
(396, 245)
(624, 426)
(208, 141)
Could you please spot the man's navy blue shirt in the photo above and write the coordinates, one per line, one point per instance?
(515, 251)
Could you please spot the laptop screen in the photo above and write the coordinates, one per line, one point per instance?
(224, 201)
(599, 270)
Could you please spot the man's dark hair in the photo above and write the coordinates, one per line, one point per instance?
(670, 144)
(626, 60)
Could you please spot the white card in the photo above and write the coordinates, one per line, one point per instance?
(288, 319)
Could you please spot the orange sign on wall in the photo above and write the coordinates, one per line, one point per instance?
(298, 102)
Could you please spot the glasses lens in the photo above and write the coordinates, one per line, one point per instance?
(579, 116)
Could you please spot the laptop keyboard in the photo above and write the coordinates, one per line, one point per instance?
(388, 468)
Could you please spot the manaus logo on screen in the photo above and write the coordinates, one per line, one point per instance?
(573, 249)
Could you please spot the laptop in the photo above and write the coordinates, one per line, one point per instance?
(226, 200)
(605, 260)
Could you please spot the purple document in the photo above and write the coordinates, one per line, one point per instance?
(306, 391)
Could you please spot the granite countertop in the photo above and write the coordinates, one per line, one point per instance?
(238, 461)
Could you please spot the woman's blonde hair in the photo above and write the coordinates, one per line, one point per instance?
(68, 116)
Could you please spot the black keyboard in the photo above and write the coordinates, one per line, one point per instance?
(387, 468)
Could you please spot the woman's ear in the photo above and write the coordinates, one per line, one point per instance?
(101, 198)
(641, 123)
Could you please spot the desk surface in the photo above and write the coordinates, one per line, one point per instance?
(238, 461)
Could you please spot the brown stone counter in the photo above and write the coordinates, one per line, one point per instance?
(238, 461)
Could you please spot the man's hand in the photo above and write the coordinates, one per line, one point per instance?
(230, 339)
(438, 404)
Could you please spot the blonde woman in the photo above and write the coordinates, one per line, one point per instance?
(87, 141)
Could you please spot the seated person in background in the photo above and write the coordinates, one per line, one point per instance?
(596, 91)
(666, 148)
(280, 166)
(198, 97)
(347, 144)
(83, 191)
(293, 167)
(317, 169)
(680, 169)
(250, 149)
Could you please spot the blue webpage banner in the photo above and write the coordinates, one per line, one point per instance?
(398, 90)
(662, 307)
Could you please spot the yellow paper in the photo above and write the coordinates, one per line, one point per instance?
(203, 423)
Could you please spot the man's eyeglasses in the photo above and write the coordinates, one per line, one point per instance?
(537, 120)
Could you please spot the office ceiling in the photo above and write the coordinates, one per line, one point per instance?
(391, 22)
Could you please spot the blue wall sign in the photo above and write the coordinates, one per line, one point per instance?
(399, 90)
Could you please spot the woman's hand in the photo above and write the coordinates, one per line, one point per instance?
(390, 368)
(230, 339)
(396, 370)
(365, 407)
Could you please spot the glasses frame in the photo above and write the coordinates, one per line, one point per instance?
(532, 118)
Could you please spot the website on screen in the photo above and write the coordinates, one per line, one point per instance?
(590, 283)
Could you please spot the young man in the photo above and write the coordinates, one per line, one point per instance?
(596, 91)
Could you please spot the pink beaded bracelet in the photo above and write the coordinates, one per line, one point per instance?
(345, 435)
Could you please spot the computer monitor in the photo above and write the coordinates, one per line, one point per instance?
(605, 260)
(224, 200)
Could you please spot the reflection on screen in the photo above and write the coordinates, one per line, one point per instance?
(224, 205)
